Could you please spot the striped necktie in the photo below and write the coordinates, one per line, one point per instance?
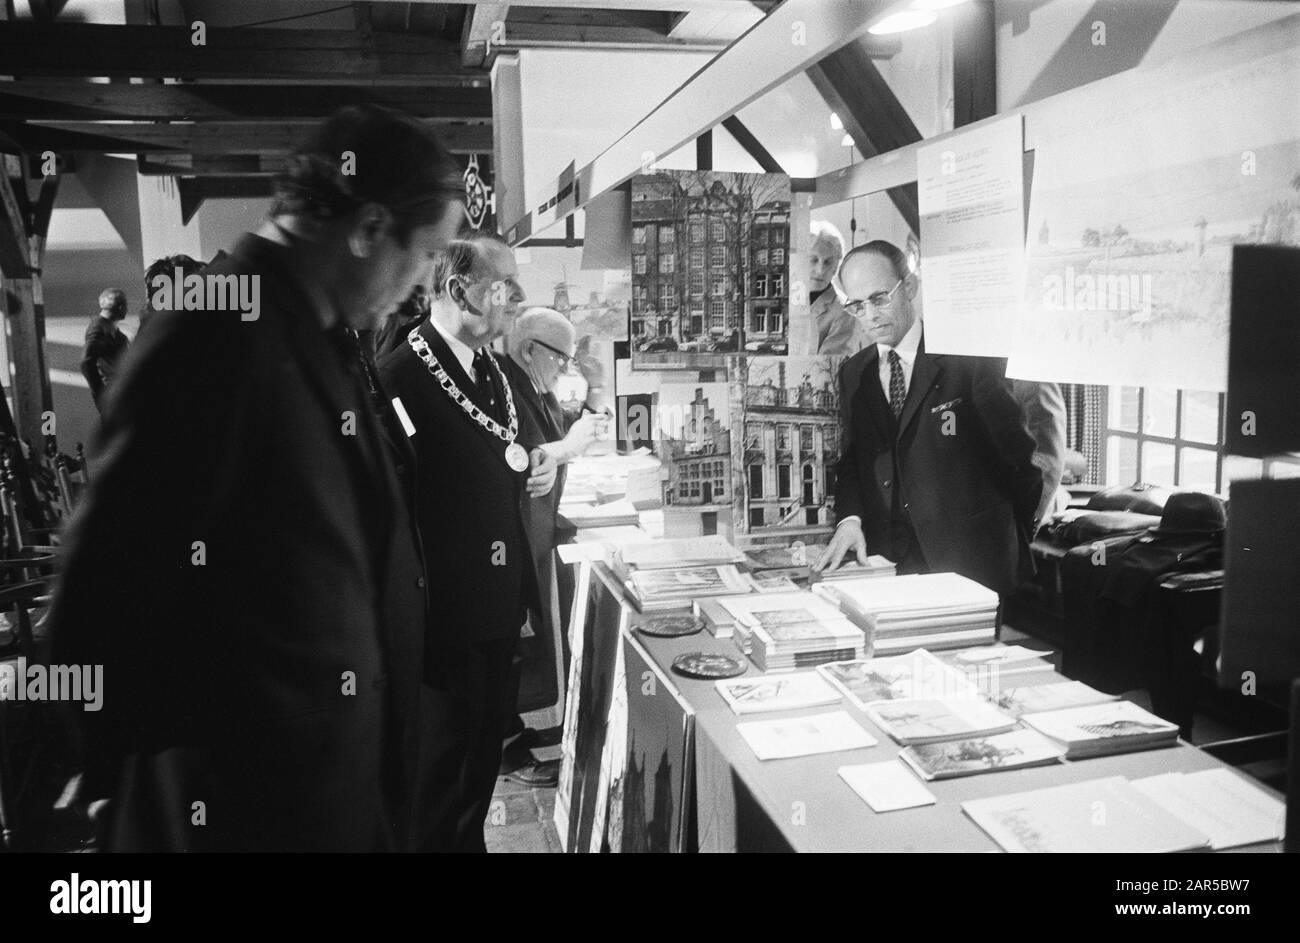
(897, 388)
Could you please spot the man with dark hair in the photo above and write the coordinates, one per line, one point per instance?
(166, 268)
(105, 343)
(936, 469)
(473, 468)
(246, 566)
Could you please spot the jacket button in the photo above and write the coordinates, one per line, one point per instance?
(401, 469)
(885, 483)
(420, 582)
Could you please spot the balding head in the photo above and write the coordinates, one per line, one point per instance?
(542, 343)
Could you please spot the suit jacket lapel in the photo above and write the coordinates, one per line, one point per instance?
(925, 373)
(527, 399)
(868, 384)
(316, 354)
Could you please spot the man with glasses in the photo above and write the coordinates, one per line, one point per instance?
(472, 468)
(935, 470)
(542, 350)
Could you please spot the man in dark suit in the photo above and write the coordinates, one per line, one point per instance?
(246, 566)
(105, 343)
(462, 420)
(936, 468)
(541, 349)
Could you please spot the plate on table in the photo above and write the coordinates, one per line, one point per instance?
(670, 626)
(703, 665)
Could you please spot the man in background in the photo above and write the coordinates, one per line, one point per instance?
(936, 471)
(541, 349)
(167, 268)
(105, 343)
(837, 333)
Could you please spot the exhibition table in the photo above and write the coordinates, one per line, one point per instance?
(698, 769)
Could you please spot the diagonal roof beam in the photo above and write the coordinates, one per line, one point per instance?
(872, 114)
(898, 168)
(14, 251)
(786, 42)
(753, 147)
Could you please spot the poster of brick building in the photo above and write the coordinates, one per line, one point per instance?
(785, 441)
(710, 267)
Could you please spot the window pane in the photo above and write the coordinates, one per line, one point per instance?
(1121, 461)
(1160, 407)
(1157, 463)
(1123, 408)
(1196, 469)
(1200, 417)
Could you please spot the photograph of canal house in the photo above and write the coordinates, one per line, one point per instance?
(695, 451)
(710, 267)
(785, 443)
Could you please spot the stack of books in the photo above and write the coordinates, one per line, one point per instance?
(784, 631)
(902, 677)
(717, 618)
(673, 554)
(678, 588)
(850, 569)
(1103, 729)
(1014, 750)
(1040, 698)
(930, 720)
(795, 562)
(613, 514)
(903, 613)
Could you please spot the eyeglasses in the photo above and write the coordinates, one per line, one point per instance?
(564, 359)
(879, 300)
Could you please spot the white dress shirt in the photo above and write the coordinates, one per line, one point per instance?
(463, 353)
(906, 349)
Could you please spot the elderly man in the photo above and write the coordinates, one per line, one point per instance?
(473, 469)
(246, 566)
(105, 343)
(541, 349)
(936, 471)
(837, 333)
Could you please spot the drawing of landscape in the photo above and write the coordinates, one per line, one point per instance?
(1134, 209)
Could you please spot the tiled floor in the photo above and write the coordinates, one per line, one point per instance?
(521, 819)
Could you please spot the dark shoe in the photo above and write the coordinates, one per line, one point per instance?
(543, 774)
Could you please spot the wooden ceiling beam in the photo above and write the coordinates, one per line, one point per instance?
(326, 56)
(58, 100)
(212, 138)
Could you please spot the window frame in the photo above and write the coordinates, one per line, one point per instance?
(1109, 434)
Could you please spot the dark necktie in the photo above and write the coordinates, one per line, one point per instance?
(897, 388)
(483, 380)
